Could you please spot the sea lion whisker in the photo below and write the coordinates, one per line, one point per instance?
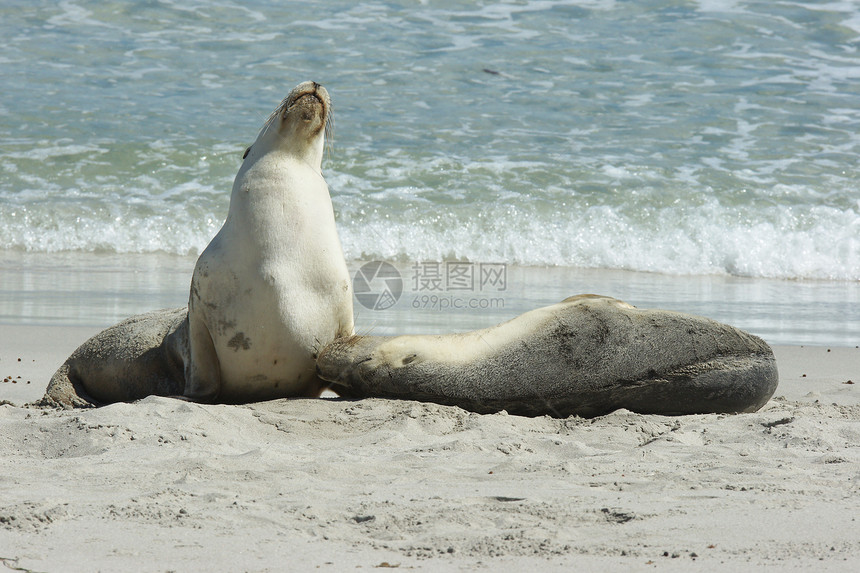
(329, 133)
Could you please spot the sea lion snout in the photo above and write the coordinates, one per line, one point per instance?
(347, 358)
(333, 363)
(308, 105)
(307, 93)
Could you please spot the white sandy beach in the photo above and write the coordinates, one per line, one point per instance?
(163, 485)
(698, 157)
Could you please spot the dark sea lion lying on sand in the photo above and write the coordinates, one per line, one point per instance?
(585, 356)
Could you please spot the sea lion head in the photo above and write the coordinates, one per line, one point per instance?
(299, 125)
(350, 361)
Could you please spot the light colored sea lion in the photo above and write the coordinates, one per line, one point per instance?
(585, 356)
(270, 290)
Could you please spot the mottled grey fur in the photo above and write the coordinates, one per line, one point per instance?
(140, 356)
(586, 356)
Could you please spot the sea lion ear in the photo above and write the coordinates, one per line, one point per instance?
(247, 151)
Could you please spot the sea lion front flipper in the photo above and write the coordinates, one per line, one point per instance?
(203, 371)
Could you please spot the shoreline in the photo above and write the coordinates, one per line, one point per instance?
(99, 290)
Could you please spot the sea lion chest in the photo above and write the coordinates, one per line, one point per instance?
(273, 283)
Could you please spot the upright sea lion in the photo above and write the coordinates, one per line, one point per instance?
(586, 356)
(270, 290)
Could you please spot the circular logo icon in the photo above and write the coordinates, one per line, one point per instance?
(377, 285)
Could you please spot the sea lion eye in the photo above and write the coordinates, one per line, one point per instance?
(247, 151)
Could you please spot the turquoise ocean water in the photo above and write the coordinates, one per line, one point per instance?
(712, 138)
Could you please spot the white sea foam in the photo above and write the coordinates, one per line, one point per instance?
(703, 241)
(719, 137)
